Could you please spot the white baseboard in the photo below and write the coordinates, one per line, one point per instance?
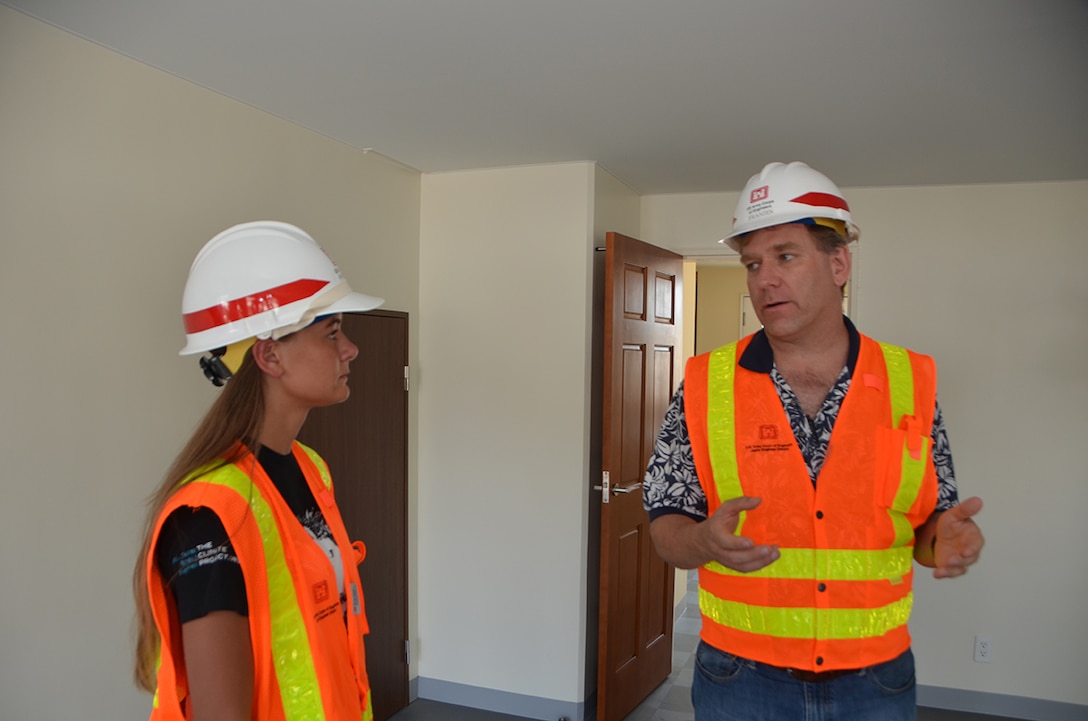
(997, 704)
(514, 704)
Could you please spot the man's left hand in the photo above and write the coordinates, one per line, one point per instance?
(958, 539)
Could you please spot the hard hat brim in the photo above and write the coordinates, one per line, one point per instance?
(353, 303)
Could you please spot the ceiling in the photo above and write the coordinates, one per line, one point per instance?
(670, 96)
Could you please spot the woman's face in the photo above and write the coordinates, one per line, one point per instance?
(315, 363)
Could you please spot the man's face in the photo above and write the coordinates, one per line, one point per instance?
(795, 286)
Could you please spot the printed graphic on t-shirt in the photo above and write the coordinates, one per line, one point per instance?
(203, 554)
(315, 525)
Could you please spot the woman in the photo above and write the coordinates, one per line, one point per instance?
(248, 597)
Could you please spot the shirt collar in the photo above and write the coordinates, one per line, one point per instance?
(759, 356)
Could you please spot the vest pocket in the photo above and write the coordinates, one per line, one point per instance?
(901, 456)
(890, 443)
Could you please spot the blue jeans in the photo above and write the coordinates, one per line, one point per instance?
(730, 688)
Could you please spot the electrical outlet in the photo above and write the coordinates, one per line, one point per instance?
(984, 649)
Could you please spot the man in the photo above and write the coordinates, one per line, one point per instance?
(801, 470)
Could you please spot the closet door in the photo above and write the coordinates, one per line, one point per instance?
(365, 442)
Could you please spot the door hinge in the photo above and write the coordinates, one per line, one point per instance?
(407, 653)
(406, 378)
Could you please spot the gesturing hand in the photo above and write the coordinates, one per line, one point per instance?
(720, 542)
(958, 539)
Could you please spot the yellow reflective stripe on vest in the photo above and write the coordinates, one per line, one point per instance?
(158, 665)
(901, 381)
(300, 692)
(901, 395)
(829, 623)
(721, 429)
(890, 564)
(319, 463)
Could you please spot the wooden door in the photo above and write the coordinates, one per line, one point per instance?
(642, 366)
(365, 442)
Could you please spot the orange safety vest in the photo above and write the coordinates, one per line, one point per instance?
(308, 663)
(839, 596)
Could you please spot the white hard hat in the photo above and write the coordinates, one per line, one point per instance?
(261, 280)
(792, 193)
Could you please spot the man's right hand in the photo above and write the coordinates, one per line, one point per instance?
(686, 543)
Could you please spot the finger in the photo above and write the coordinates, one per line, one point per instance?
(953, 567)
(749, 560)
(727, 516)
(949, 572)
(728, 543)
(961, 561)
(968, 508)
(970, 555)
(738, 504)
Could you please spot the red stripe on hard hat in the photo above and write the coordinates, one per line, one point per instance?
(825, 200)
(250, 305)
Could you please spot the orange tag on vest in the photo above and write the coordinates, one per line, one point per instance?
(913, 428)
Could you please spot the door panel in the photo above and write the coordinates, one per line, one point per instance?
(365, 442)
(642, 318)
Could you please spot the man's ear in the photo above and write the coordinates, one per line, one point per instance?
(266, 353)
(840, 265)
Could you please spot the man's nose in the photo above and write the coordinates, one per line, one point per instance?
(766, 276)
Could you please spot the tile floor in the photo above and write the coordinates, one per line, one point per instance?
(671, 701)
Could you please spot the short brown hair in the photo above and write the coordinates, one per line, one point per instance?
(827, 239)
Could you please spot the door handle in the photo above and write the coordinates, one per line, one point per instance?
(608, 489)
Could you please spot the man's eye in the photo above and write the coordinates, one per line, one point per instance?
(752, 266)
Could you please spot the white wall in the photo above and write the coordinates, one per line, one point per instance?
(113, 176)
(1003, 309)
(990, 280)
(504, 291)
(689, 223)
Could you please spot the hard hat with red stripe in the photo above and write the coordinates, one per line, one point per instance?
(259, 280)
(793, 193)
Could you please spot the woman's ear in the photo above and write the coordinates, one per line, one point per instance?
(266, 354)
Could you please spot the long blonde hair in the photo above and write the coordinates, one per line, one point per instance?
(235, 416)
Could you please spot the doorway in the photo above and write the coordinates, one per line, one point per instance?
(365, 443)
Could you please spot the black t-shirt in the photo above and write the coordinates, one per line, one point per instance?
(195, 556)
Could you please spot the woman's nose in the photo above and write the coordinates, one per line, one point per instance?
(349, 351)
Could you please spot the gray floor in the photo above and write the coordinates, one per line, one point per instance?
(671, 701)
